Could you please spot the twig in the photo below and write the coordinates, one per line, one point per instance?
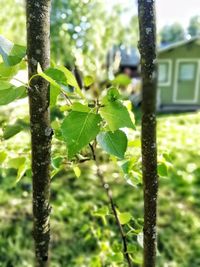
(67, 98)
(25, 84)
(106, 186)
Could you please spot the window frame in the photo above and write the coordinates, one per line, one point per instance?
(168, 62)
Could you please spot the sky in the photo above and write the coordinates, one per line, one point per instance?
(168, 11)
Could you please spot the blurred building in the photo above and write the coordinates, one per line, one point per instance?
(178, 74)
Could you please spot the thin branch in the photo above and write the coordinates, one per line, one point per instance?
(66, 97)
(106, 187)
(25, 84)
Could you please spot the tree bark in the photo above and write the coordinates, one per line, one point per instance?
(38, 52)
(147, 46)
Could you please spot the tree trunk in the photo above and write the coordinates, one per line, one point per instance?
(147, 46)
(38, 51)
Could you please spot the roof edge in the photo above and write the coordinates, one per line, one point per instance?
(177, 44)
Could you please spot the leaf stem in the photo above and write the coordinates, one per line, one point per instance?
(106, 187)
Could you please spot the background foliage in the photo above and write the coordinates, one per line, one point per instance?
(79, 234)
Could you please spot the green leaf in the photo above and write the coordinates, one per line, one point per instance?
(56, 171)
(134, 178)
(11, 53)
(21, 171)
(77, 171)
(167, 157)
(132, 248)
(6, 73)
(80, 107)
(9, 92)
(56, 162)
(116, 115)
(16, 162)
(11, 130)
(71, 80)
(162, 169)
(48, 78)
(88, 80)
(3, 156)
(121, 80)
(114, 143)
(135, 143)
(124, 217)
(57, 81)
(56, 75)
(113, 94)
(54, 93)
(138, 259)
(78, 129)
(126, 166)
(117, 257)
(103, 211)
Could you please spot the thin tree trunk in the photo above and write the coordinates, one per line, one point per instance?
(147, 46)
(38, 51)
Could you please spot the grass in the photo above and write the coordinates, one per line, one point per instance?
(81, 239)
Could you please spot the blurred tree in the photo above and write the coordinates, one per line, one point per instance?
(82, 31)
(194, 26)
(12, 20)
(172, 33)
(85, 30)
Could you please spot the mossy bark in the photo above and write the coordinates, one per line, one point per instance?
(147, 47)
(38, 52)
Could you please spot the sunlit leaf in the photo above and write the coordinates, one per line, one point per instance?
(121, 80)
(102, 212)
(162, 169)
(78, 129)
(56, 162)
(77, 171)
(117, 257)
(21, 171)
(3, 156)
(16, 162)
(11, 53)
(9, 92)
(11, 130)
(7, 72)
(112, 94)
(71, 80)
(88, 80)
(114, 143)
(124, 217)
(116, 115)
(80, 107)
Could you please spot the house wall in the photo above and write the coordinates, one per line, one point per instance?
(186, 51)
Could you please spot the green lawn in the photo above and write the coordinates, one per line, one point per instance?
(81, 239)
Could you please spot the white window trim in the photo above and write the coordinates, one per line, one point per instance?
(175, 90)
(169, 78)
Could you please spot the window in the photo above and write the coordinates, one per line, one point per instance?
(164, 75)
(187, 72)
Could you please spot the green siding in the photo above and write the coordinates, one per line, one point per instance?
(186, 51)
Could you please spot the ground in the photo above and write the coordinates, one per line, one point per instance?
(79, 237)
